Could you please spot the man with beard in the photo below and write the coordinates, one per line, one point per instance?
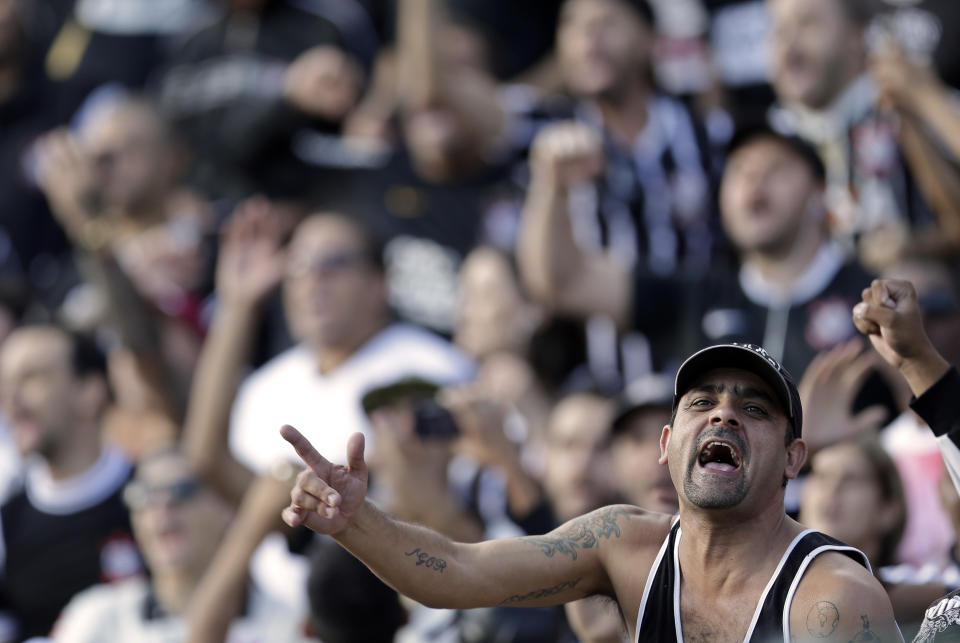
(731, 444)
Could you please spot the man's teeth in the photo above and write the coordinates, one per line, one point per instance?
(711, 453)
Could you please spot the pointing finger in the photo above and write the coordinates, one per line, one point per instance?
(313, 459)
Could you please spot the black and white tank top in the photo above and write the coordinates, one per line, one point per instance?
(658, 618)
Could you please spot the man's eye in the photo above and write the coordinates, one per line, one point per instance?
(753, 408)
(702, 401)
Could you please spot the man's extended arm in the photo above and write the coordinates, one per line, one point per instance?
(566, 564)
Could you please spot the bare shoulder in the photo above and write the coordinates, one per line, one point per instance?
(605, 529)
(839, 600)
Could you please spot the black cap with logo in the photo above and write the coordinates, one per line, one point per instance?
(749, 358)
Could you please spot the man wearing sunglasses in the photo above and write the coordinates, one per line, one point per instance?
(336, 301)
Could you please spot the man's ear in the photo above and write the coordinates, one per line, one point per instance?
(664, 441)
(796, 457)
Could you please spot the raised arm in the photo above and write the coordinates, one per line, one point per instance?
(218, 599)
(68, 181)
(428, 75)
(249, 267)
(566, 564)
(929, 134)
(555, 269)
(890, 316)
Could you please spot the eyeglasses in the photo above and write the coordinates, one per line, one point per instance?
(139, 495)
(324, 266)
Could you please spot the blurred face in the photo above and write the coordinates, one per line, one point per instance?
(39, 389)
(842, 497)
(634, 452)
(332, 293)
(602, 45)
(766, 196)
(816, 51)
(178, 523)
(725, 448)
(491, 314)
(131, 160)
(577, 476)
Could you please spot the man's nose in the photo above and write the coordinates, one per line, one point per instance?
(724, 414)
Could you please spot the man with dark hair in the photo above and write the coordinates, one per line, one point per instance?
(790, 291)
(66, 528)
(735, 407)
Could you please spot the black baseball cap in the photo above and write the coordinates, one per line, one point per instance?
(748, 357)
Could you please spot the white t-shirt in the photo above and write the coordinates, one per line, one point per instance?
(290, 389)
(117, 613)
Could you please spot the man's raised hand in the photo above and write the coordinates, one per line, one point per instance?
(326, 495)
(890, 316)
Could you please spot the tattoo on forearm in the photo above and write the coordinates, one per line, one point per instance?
(428, 561)
(822, 619)
(584, 533)
(543, 592)
(866, 634)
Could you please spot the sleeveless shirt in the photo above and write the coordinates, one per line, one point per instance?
(658, 618)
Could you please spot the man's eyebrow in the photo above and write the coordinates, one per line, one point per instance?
(755, 393)
(738, 391)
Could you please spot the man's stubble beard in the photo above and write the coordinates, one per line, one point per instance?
(713, 496)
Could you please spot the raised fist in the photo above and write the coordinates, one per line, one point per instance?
(566, 154)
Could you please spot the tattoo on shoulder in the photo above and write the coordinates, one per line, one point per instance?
(865, 634)
(426, 560)
(543, 592)
(822, 619)
(583, 533)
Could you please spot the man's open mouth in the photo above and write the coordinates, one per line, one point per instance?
(719, 455)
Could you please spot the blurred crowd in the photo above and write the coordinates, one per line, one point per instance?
(484, 234)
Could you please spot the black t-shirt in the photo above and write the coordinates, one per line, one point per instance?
(429, 228)
(686, 314)
(52, 553)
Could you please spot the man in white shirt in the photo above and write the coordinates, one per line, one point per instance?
(336, 300)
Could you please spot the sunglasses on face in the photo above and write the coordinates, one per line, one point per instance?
(139, 495)
(324, 266)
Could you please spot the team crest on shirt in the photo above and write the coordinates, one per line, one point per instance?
(828, 322)
(119, 558)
